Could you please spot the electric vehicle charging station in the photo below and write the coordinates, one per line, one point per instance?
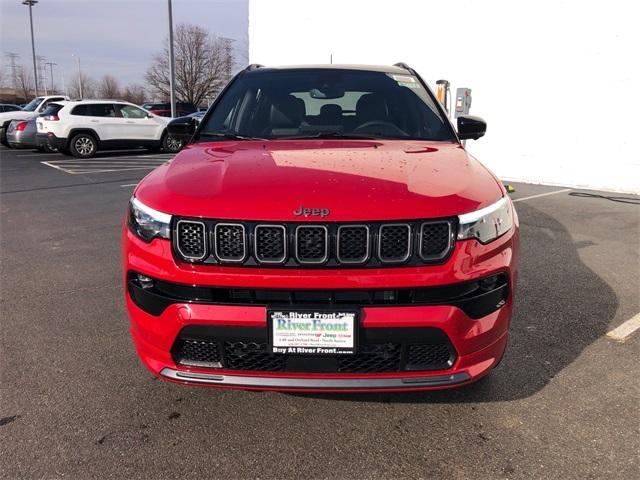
(463, 101)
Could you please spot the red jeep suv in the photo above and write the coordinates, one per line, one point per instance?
(324, 229)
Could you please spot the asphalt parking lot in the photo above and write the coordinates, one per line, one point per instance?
(76, 402)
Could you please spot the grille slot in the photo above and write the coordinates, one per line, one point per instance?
(230, 242)
(383, 357)
(353, 244)
(201, 353)
(435, 239)
(394, 242)
(271, 243)
(312, 244)
(191, 239)
(240, 355)
(429, 356)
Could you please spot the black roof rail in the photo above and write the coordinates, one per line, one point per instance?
(253, 66)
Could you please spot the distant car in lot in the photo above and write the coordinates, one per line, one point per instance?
(9, 107)
(83, 127)
(22, 134)
(197, 115)
(163, 109)
(34, 108)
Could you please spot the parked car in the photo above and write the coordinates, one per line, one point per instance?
(324, 229)
(9, 107)
(83, 127)
(22, 134)
(34, 108)
(167, 113)
(163, 109)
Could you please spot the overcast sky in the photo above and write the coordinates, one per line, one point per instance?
(117, 37)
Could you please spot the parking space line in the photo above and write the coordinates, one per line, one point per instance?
(129, 185)
(78, 172)
(543, 194)
(624, 331)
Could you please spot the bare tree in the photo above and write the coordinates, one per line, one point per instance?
(134, 93)
(109, 87)
(24, 80)
(203, 65)
(88, 89)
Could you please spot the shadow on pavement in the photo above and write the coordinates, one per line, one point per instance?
(562, 307)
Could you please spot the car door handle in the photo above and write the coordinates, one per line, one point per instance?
(95, 121)
(130, 121)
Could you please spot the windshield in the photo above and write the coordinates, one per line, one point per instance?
(317, 103)
(33, 104)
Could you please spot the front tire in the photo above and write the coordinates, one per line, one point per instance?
(171, 144)
(83, 145)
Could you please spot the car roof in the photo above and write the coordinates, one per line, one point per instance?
(335, 66)
(86, 101)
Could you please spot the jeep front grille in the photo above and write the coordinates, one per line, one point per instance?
(370, 244)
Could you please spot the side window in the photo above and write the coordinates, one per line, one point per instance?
(102, 110)
(129, 111)
(82, 110)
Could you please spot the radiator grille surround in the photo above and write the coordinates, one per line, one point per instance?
(230, 242)
(191, 239)
(270, 243)
(314, 245)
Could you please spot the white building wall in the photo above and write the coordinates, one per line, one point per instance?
(556, 80)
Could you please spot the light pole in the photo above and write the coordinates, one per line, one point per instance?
(172, 66)
(51, 64)
(30, 4)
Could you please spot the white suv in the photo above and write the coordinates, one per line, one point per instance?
(83, 127)
(35, 107)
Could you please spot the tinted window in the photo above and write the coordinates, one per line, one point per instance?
(95, 110)
(315, 102)
(52, 109)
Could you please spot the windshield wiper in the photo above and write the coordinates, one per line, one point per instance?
(329, 135)
(228, 136)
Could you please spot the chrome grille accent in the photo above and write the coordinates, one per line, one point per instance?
(312, 245)
(270, 242)
(230, 242)
(191, 239)
(394, 242)
(435, 239)
(352, 244)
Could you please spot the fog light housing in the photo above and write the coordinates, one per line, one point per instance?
(145, 282)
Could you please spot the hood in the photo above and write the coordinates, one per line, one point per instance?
(354, 180)
(16, 115)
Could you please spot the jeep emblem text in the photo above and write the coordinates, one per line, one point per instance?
(313, 212)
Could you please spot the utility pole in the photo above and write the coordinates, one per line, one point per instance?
(42, 73)
(14, 77)
(79, 74)
(30, 4)
(51, 64)
(172, 65)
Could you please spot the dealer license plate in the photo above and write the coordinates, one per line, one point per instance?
(312, 332)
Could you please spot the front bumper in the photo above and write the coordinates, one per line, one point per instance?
(479, 343)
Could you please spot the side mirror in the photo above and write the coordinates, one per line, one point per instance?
(182, 128)
(470, 127)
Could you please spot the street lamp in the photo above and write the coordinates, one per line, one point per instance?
(30, 4)
(172, 66)
(79, 75)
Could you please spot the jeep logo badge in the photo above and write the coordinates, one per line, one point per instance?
(311, 212)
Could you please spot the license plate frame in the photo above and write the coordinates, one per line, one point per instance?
(314, 341)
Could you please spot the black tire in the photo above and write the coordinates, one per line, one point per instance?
(3, 136)
(171, 144)
(83, 145)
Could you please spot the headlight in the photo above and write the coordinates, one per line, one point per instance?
(146, 222)
(488, 223)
